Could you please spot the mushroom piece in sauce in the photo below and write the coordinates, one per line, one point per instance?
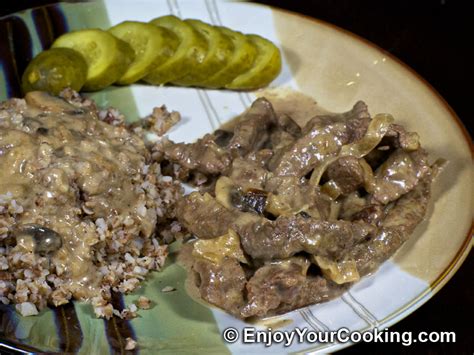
(46, 241)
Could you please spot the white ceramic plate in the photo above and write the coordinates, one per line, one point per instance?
(337, 68)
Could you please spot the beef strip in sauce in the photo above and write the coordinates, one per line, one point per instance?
(357, 214)
(287, 236)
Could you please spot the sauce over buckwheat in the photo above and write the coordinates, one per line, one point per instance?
(66, 168)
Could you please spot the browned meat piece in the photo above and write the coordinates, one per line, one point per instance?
(280, 140)
(371, 214)
(286, 236)
(347, 174)
(358, 120)
(260, 157)
(400, 138)
(273, 284)
(312, 148)
(222, 285)
(315, 289)
(323, 137)
(203, 216)
(397, 227)
(287, 124)
(251, 132)
(282, 286)
(204, 156)
(248, 174)
(399, 174)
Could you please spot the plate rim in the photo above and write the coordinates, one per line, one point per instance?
(435, 286)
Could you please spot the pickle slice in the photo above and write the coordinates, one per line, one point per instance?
(240, 61)
(54, 70)
(220, 49)
(107, 57)
(265, 69)
(189, 55)
(151, 44)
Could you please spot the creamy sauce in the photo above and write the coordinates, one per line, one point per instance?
(275, 322)
(67, 169)
(300, 107)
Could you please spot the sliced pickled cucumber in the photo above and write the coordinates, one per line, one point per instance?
(220, 49)
(107, 57)
(152, 45)
(54, 70)
(189, 55)
(265, 69)
(240, 61)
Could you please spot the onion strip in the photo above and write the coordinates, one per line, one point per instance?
(377, 129)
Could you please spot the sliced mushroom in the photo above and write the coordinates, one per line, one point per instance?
(46, 241)
(230, 196)
(222, 137)
(253, 200)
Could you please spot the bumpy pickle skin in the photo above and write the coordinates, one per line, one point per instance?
(220, 49)
(152, 46)
(107, 57)
(265, 69)
(241, 60)
(55, 69)
(189, 54)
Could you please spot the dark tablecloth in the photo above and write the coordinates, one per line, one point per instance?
(434, 37)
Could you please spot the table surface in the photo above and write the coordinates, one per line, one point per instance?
(434, 37)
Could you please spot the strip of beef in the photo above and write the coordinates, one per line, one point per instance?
(280, 142)
(222, 284)
(288, 124)
(260, 157)
(251, 132)
(371, 213)
(315, 289)
(283, 286)
(323, 137)
(268, 240)
(358, 120)
(203, 216)
(248, 174)
(356, 208)
(206, 218)
(399, 174)
(397, 227)
(400, 138)
(347, 174)
(204, 156)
